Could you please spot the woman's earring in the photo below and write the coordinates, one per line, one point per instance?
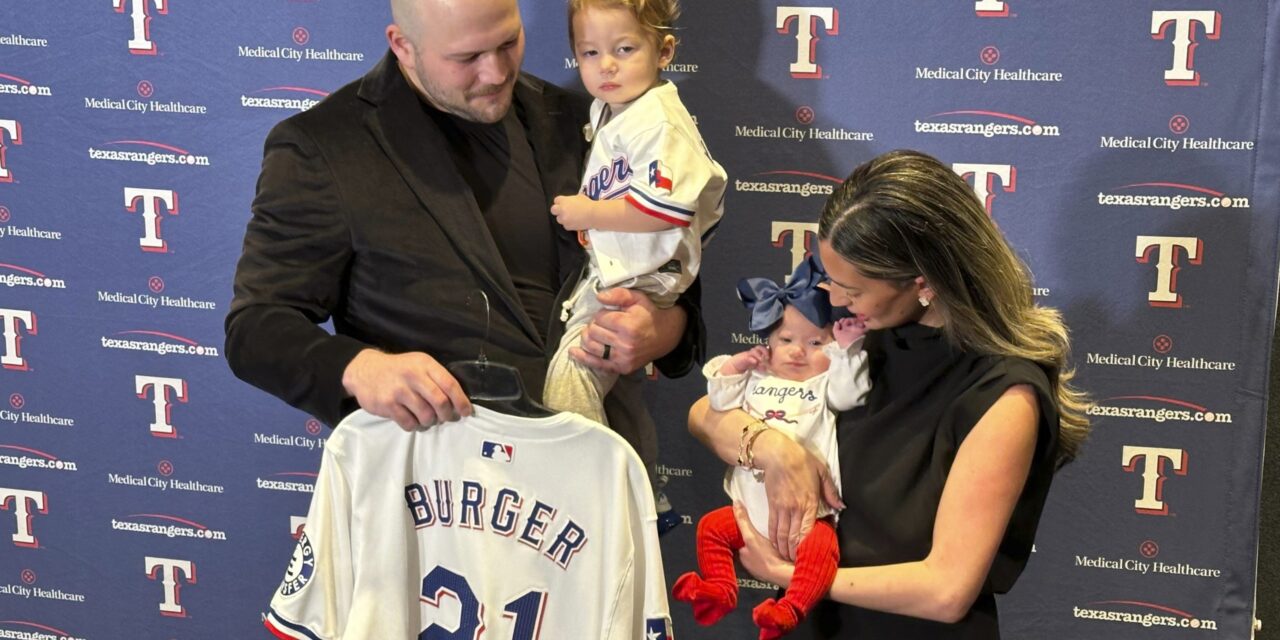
(924, 302)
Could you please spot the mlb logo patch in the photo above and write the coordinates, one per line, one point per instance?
(659, 175)
(657, 629)
(497, 451)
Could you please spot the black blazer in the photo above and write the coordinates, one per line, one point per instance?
(361, 218)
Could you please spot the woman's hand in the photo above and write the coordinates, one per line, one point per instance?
(758, 556)
(795, 481)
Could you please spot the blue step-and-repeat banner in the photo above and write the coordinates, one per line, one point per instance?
(1130, 151)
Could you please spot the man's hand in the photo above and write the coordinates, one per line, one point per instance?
(410, 388)
(754, 358)
(574, 212)
(636, 331)
(846, 330)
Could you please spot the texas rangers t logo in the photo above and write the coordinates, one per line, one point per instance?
(984, 179)
(1184, 41)
(1153, 461)
(140, 43)
(14, 129)
(160, 387)
(991, 8)
(806, 20)
(1165, 250)
(11, 323)
(151, 200)
(25, 505)
(170, 572)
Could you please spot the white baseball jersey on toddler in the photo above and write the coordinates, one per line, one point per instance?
(527, 527)
(653, 156)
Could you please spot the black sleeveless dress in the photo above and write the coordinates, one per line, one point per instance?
(895, 454)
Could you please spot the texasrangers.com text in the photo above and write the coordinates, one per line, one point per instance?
(1144, 619)
(168, 530)
(6, 634)
(161, 348)
(148, 157)
(28, 462)
(15, 280)
(987, 129)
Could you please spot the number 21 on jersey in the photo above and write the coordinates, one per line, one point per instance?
(525, 611)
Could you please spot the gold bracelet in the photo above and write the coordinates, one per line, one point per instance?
(755, 426)
(751, 443)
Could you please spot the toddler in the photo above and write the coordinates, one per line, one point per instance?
(651, 194)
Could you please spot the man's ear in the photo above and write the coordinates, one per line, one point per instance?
(666, 50)
(401, 46)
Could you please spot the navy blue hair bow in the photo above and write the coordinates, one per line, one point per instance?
(767, 301)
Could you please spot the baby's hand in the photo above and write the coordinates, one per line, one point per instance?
(846, 330)
(749, 360)
(573, 212)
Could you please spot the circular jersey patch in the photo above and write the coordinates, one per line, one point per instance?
(301, 566)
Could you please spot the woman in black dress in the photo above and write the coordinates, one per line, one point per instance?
(946, 467)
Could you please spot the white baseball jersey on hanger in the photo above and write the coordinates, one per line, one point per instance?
(520, 528)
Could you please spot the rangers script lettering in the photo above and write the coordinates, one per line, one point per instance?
(784, 392)
(602, 185)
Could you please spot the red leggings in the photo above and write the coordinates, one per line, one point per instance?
(816, 558)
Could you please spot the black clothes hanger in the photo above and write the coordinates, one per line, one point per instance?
(494, 385)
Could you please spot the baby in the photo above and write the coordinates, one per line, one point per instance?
(793, 385)
(651, 193)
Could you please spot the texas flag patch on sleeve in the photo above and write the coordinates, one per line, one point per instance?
(657, 629)
(659, 176)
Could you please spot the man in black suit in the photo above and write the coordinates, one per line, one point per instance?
(383, 207)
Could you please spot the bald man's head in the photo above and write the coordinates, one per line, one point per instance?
(407, 14)
(463, 56)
